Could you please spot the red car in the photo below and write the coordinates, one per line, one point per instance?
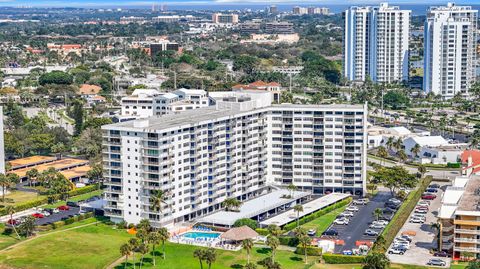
(427, 196)
(63, 207)
(12, 222)
(38, 215)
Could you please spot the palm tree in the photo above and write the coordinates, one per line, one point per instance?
(273, 243)
(27, 227)
(402, 156)
(231, 203)
(380, 243)
(247, 244)
(274, 230)
(298, 208)
(377, 213)
(398, 144)
(10, 210)
(5, 183)
(376, 260)
(305, 242)
(125, 250)
(32, 175)
(382, 153)
(154, 239)
(133, 242)
(164, 235)
(291, 188)
(436, 227)
(210, 257)
(200, 254)
(415, 150)
(422, 169)
(143, 249)
(157, 199)
(390, 143)
(453, 123)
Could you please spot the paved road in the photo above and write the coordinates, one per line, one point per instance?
(424, 240)
(440, 174)
(359, 223)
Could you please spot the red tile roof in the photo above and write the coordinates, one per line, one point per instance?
(87, 89)
(475, 154)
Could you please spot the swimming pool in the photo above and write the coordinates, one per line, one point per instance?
(195, 235)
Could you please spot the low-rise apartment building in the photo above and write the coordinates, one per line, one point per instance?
(236, 148)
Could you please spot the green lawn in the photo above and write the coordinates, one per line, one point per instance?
(6, 239)
(323, 222)
(18, 197)
(88, 247)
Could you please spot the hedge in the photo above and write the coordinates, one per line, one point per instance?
(288, 241)
(26, 205)
(311, 251)
(317, 214)
(62, 223)
(78, 191)
(342, 259)
(262, 231)
(403, 213)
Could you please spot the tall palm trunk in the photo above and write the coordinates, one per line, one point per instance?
(126, 261)
(163, 249)
(13, 225)
(133, 258)
(305, 251)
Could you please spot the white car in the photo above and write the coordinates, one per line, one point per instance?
(362, 201)
(417, 220)
(346, 214)
(352, 208)
(342, 221)
(394, 250)
(381, 222)
(376, 226)
(401, 244)
(423, 203)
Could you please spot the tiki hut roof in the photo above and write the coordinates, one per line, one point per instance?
(239, 234)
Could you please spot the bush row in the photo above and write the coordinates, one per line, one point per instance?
(45, 200)
(317, 214)
(262, 231)
(311, 251)
(26, 205)
(341, 259)
(62, 223)
(403, 213)
(288, 241)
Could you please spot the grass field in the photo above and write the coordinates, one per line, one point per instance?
(94, 246)
(323, 222)
(18, 197)
(75, 199)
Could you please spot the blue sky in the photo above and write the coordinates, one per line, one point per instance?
(120, 3)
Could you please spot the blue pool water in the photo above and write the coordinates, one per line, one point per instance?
(195, 235)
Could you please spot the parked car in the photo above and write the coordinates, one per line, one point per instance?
(330, 232)
(352, 208)
(38, 215)
(13, 222)
(311, 232)
(347, 252)
(401, 244)
(431, 190)
(63, 207)
(421, 207)
(434, 186)
(376, 226)
(55, 210)
(436, 262)
(421, 211)
(405, 237)
(417, 220)
(394, 200)
(382, 222)
(346, 214)
(74, 204)
(362, 201)
(440, 254)
(395, 250)
(393, 206)
(370, 232)
(342, 221)
(428, 196)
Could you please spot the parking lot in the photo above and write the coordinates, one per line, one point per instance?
(61, 214)
(424, 240)
(360, 222)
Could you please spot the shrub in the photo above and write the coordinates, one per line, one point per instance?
(58, 224)
(342, 259)
(245, 222)
(81, 217)
(89, 215)
(69, 221)
(453, 165)
(311, 251)
(83, 190)
(262, 231)
(288, 241)
(131, 225)
(26, 205)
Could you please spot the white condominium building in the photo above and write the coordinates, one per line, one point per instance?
(235, 149)
(449, 50)
(144, 103)
(376, 43)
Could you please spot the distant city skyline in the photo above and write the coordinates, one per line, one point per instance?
(193, 3)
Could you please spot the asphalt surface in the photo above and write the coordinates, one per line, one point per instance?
(359, 223)
(72, 211)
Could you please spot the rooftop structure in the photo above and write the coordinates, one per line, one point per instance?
(30, 161)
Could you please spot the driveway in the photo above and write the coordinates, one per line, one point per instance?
(424, 240)
(353, 232)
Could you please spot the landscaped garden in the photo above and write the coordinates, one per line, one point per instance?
(323, 222)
